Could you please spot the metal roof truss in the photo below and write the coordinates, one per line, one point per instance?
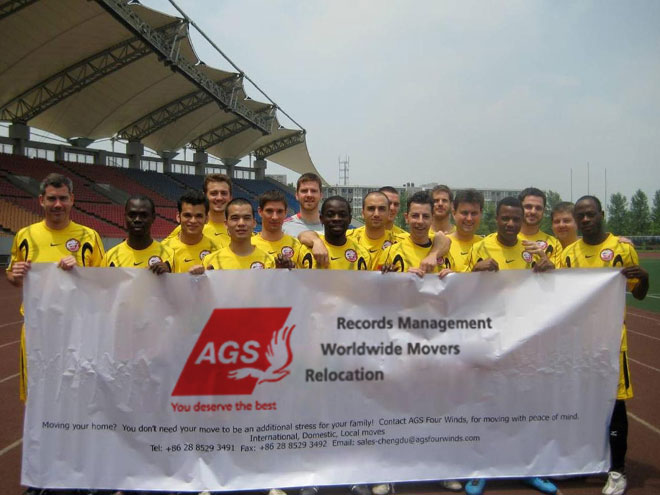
(12, 6)
(76, 77)
(279, 145)
(225, 131)
(174, 110)
(123, 12)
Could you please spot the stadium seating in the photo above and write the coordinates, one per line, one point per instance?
(7, 189)
(101, 213)
(111, 213)
(161, 228)
(13, 218)
(104, 228)
(117, 178)
(38, 168)
(189, 181)
(167, 212)
(157, 183)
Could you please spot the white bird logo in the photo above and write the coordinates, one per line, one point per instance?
(278, 355)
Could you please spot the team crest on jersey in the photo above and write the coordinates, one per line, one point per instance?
(606, 255)
(257, 265)
(204, 253)
(72, 245)
(351, 255)
(542, 244)
(287, 252)
(154, 260)
(237, 350)
(386, 244)
(527, 256)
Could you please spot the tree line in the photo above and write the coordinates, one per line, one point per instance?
(632, 218)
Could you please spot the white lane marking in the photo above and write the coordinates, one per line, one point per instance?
(639, 315)
(645, 423)
(642, 364)
(7, 378)
(631, 331)
(11, 446)
(10, 323)
(17, 341)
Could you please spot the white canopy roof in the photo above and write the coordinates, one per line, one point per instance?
(82, 69)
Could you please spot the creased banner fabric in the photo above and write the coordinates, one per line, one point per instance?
(255, 379)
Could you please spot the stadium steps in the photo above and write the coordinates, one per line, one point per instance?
(161, 184)
(116, 178)
(20, 189)
(120, 187)
(24, 183)
(188, 181)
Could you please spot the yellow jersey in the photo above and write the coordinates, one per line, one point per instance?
(460, 252)
(507, 257)
(39, 244)
(288, 246)
(373, 246)
(217, 232)
(124, 256)
(350, 256)
(398, 230)
(406, 254)
(226, 259)
(432, 232)
(609, 253)
(548, 243)
(188, 255)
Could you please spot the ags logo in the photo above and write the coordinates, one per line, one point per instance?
(237, 350)
(287, 252)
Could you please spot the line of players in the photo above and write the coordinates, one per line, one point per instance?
(216, 232)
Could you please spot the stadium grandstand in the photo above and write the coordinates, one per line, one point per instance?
(118, 72)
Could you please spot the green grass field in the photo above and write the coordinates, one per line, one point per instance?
(652, 300)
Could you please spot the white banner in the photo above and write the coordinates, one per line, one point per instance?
(256, 379)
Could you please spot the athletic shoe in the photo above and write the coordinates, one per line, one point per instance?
(360, 490)
(382, 489)
(616, 484)
(309, 490)
(541, 484)
(452, 485)
(276, 491)
(475, 487)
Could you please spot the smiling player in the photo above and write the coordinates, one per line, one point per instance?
(140, 250)
(598, 249)
(191, 245)
(272, 208)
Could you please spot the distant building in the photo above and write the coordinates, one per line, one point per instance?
(354, 195)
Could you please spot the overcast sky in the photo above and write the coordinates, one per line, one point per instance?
(482, 94)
